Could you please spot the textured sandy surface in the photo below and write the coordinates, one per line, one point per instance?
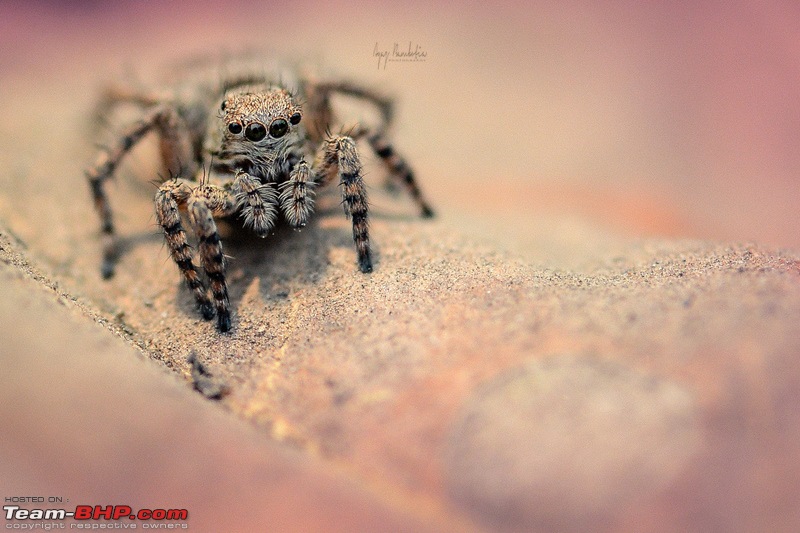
(86, 418)
(375, 372)
(529, 360)
(657, 388)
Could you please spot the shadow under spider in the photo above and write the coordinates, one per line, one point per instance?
(285, 258)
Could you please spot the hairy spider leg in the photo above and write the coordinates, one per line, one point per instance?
(205, 202)
(176, 149)
(400, 171)
(339, 155)
(170, 197)
(317, 100)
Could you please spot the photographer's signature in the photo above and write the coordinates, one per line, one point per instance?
(414, 53)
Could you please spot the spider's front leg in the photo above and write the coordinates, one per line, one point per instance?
(170, 196)
(338, 154)
(203, 204)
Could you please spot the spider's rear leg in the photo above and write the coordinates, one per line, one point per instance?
(169, 197)
(205, 202)
(104, 167)
(117, 93)
(318, 96)
(175, 150)
(318, 102)
(297, 195)
(339, 153)
(400, 171)
(348, 88)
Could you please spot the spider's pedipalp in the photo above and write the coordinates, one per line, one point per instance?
(256, 201)
(297, 195)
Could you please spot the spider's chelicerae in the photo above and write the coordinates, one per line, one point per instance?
(247, 145)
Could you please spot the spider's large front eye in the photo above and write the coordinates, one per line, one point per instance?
(255, 131)
(235, 128)
(278, 128)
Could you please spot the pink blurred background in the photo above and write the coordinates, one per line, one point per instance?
(652, 118)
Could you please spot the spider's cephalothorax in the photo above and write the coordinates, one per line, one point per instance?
(244, 146)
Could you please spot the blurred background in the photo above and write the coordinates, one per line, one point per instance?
(560, 129)
(678, 119)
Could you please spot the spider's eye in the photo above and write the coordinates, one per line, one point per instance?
(235, 128)
(255, 132)
(223, 105)
(295, 119)
(278, 128)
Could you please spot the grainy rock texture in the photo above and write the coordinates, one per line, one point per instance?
(658, 388)
(87, 419)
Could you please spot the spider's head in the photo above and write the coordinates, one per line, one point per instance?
(258, 119)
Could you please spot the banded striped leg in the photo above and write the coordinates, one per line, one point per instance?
(169, 197)
(318, 97)
(204, 202)
(256, 201)
(339, 154)
(400, 171)
(297, 195)
(175, 148)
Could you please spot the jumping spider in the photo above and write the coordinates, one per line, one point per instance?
(242, 145)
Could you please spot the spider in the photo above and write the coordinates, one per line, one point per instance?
(248, 145)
